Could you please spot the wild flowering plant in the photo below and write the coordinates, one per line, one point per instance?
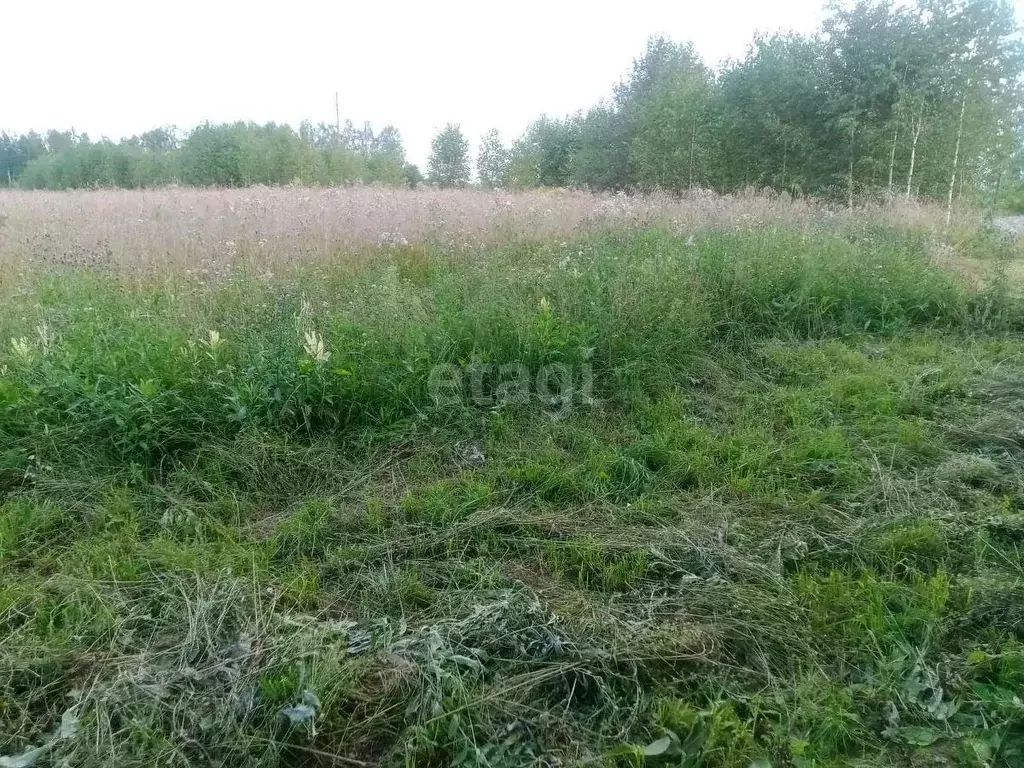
(314, 346)
(47, 338)
(22, 348)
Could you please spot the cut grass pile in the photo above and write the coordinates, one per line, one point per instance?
(766, 510)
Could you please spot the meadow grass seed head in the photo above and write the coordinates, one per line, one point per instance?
(47, 337)
(304, 316)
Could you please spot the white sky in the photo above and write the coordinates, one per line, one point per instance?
(115, 68)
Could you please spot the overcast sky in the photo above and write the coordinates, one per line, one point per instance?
(112, 68)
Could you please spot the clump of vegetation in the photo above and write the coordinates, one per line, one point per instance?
(770, 515)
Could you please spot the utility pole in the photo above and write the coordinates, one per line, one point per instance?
(337, 115)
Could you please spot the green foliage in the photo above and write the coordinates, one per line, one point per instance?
(227, 155)
(413, 175)
(16, 152)
(886, 100)
(783, 527)
(542, 156)
(667, 152)
(870, 106)
(448, 165)
(768, 116)
(26, 526)
(601, 160)
(492, 160)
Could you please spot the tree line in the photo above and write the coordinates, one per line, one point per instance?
(228, 155)
(887, 98)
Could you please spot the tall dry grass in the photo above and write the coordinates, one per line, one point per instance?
(272, 227)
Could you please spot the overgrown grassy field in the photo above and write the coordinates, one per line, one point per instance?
(721, 491)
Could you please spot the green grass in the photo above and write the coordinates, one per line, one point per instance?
(784, 526)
